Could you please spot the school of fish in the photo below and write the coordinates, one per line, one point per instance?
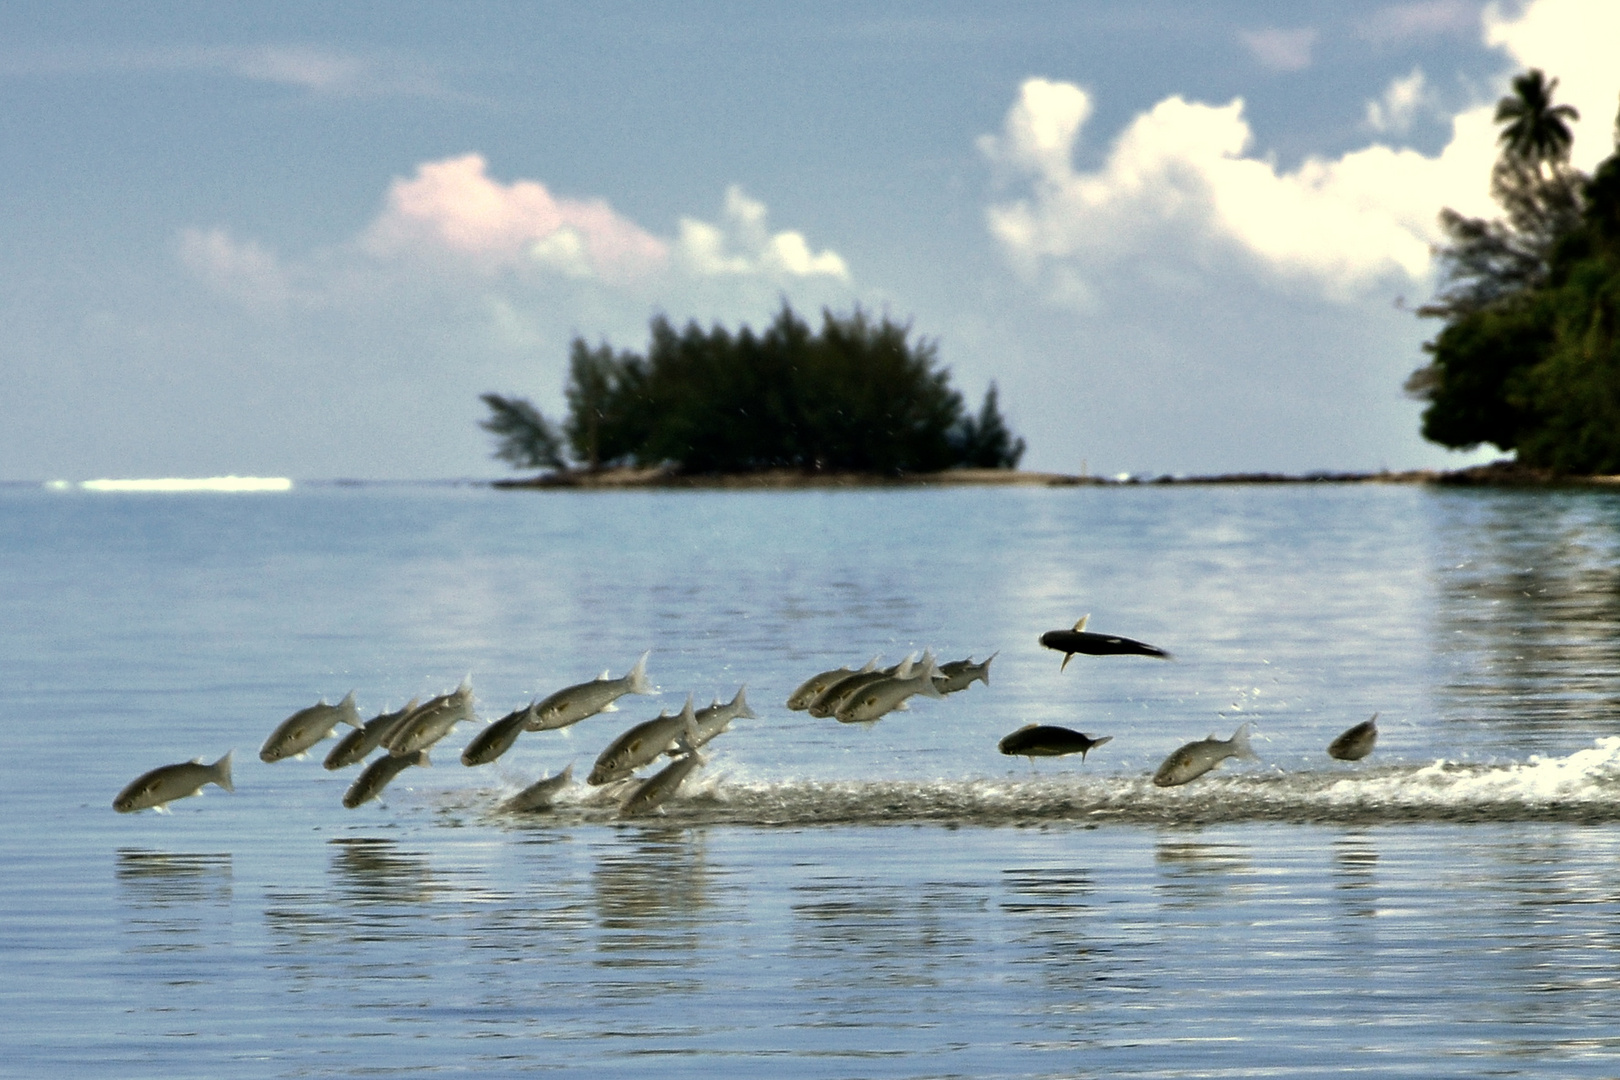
(848, 695)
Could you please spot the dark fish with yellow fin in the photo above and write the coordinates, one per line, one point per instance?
(1049, 740)
(1069, 642)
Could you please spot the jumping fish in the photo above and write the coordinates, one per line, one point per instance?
(640, 745)
(574, 703)
(808, 690)
(651, 793)
(427, 724)
(1356, 743)
(540, 794)
(1069, 642)
(1197, 758)
(370, 783)
(158, 787)
(498, 738)
(958, 675)
(306, 727)
(714, 719)
(840, 690)
(354, 746)
(1048, 740)
(881, 698)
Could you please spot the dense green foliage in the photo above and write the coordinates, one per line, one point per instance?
(1528, 358)
(860, 395)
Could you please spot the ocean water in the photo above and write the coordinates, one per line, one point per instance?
(820, 900)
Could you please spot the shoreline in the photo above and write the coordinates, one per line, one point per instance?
(1496, 474)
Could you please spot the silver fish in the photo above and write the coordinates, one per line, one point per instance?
(1356, 743)
(370, 783)
(306, 727)
(429, 723)
(652, 792)
(958, 675)
(540, 794)
(801, 698)
(498, 738)
(881, 698)
(716, 718)
(162, 785)
(574, 703)
(354, 746)
(640, 745)
(841, 690)
(1197, 758)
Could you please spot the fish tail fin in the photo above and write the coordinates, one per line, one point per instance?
(984, 668)
(350, 714)
(222, 772)
(1240, 742)
(1100, 740)
(739, 704)
(638, 676)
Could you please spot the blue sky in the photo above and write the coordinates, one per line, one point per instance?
(300, 239)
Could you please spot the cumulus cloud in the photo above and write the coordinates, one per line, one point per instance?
(452, 224)
(741, 245)
(1180, 187)
(1395, 111)
(1280, 50)
(1182, 190)
(452, 209)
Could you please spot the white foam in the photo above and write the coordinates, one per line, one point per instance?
(1584, 777)
(204, 483)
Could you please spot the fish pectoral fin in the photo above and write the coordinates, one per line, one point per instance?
(1066, 658)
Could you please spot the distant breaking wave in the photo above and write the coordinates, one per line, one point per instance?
(178, 483)
(1583, 787)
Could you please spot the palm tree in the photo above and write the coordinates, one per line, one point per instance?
(1537, 130)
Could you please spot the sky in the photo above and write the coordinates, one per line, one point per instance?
(1180, 237)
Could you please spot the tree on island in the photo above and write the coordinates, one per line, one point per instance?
(1528, 358)
(862, 395)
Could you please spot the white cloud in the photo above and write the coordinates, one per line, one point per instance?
(1432, 18)
(1573, 41)
(1179, 188)
(742, 245)
(1396, 110)
(452, 211)
(243, 270)
(1280, 50)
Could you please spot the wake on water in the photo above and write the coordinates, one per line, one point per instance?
(1582, 787)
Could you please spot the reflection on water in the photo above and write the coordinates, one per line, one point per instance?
(1199, 874)
(367, 871)
(174, 902)
(1528, 599)
(1354, 874)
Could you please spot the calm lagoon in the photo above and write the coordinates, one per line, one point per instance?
(821, 900)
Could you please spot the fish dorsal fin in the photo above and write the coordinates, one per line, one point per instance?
(1080, 626)
(607, 674)
(871, 665)
(904, 670)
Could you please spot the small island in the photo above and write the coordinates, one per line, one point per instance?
(859, 401)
